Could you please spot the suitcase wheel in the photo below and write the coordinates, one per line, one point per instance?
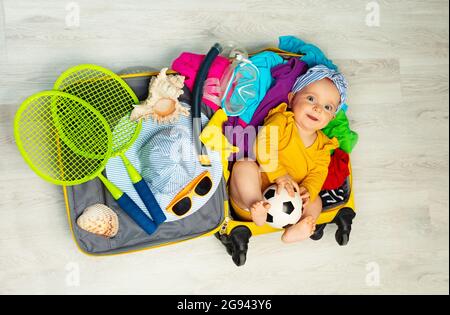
(318, 233)
(236, 244)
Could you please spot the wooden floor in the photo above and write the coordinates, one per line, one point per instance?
(399, 105)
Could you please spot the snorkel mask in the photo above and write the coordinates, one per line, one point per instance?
(238, 83)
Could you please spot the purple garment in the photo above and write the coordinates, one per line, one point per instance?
(284, 76)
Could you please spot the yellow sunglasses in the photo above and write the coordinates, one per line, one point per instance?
(182, 202)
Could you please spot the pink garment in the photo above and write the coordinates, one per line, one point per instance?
(188, 64)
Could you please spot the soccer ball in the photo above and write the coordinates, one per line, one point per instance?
(284, 209)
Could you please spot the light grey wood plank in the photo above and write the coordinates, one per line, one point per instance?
(3, 48)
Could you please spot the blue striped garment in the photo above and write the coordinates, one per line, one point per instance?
(165, 157)
(320, 72)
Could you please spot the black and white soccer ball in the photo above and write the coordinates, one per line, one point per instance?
(284, 209)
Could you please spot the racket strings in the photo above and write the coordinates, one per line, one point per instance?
(106, 94)
(62, 140)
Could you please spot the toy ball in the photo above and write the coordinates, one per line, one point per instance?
(284, 209)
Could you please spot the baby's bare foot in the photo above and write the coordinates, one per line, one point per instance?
(300, 231)
(259, 212)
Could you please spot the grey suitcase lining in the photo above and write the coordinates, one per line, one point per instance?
(130, 237)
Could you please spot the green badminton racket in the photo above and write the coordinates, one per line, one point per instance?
(114, 99)
(68, 142)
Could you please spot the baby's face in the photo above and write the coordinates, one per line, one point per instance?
(315, 105)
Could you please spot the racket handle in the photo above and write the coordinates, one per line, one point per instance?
(136, 214)
(144, 192)
(150, 202)
(129, 206)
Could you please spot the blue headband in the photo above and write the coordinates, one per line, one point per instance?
(320, 72)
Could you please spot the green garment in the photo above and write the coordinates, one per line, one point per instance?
(339, 127)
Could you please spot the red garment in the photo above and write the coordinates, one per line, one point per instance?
(337, 170)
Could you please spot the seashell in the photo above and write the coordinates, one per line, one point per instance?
(164, 107)
(100, 220)
(162, 103)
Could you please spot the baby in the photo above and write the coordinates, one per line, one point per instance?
(292, 152)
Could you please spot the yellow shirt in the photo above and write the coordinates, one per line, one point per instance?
(280, 151)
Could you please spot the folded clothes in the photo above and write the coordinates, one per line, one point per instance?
(339, 127)
(335, 197)
(264, 62)
(213, 138)
(188, 64)
(312, 54)
(284, 76)
(337, 170)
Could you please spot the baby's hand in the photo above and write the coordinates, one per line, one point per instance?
(288, 183)
(304, 194)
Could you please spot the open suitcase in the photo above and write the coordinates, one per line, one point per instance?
(214, 218)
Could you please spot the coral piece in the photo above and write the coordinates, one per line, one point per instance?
(100, 220)
(162, 102)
